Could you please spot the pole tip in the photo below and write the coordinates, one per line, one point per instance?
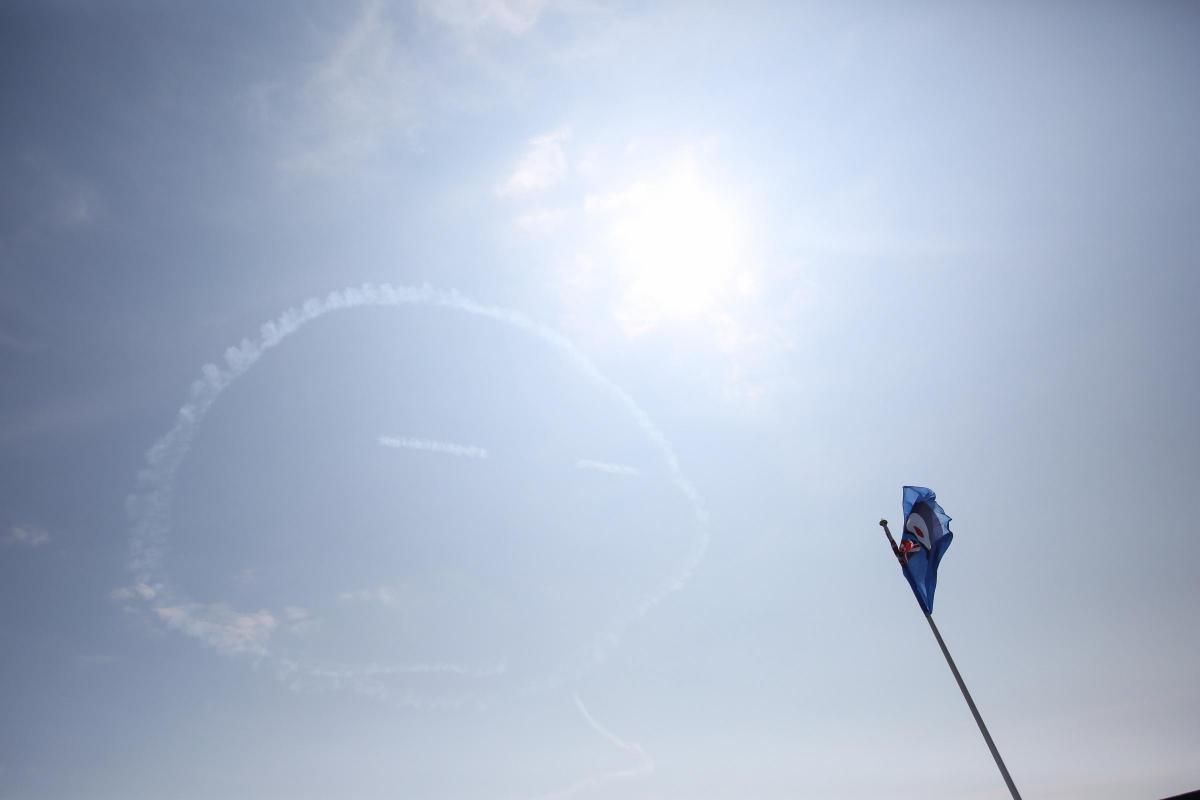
(883, 523)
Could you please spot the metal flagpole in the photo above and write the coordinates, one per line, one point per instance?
(987, 737)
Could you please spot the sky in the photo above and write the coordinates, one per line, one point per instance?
(498, 398)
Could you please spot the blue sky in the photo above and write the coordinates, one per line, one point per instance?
(497, 398)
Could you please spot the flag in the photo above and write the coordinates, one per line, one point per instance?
(926, 537)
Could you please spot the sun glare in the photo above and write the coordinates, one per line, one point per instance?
(678, 246)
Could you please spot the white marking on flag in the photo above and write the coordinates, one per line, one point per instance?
(916, 526)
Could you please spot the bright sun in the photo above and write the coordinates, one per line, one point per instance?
(678, 247)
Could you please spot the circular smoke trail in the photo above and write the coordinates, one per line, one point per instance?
(247, 634)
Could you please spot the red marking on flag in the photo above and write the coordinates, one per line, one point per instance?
(907, 548)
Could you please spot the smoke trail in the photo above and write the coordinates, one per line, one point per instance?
(431, 446)
(149, 505)
(385, 670)
(645, 765)
(604, 466)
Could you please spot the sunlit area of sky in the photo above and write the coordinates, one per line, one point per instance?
(499, 398)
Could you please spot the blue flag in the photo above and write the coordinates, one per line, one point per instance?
(926, 537)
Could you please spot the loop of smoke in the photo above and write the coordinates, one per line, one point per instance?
(149, 505)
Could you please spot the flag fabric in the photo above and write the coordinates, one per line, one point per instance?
(926, 537)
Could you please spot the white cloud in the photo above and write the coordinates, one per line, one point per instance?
(369, 91)
(388, 670)
(25, 536)
(378, 595)
(221, 627)
(473, 17)
(543, 164)
(295, 613)
(357, 99)
(143, 591)
(299, 621)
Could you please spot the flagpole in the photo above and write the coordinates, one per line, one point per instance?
(987, 737)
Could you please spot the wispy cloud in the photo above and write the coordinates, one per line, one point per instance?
(391, 670)
(298, 621)
(473, 17)
(379, 80)
(396, 685)
(605, 466)
(360, 96)
(221, 627)
(434, 446)
(542, 165)
(143, 591)
(376, 595)
(25, 536)
(55, 201)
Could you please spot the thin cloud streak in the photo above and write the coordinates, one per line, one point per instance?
(470, 18)
(29, 536)
(543, 165)
(386, 670)
(362, 96)
(379, 595)
(222, 627)
(137, 590)
(433, 446)
(607, 467)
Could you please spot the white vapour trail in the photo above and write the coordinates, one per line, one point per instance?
(389, 670)
(427, 669)
(604, 466)
(433, 446)
(149, 505)
(644, 765)
(371, 681)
